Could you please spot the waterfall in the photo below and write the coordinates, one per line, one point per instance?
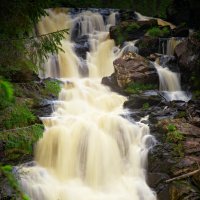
(66, 63)
(170, 84)
(88, 150)
(171, 44)
(128, 47)
(167, 45)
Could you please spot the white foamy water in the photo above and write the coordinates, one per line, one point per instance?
(88, 150)
(170, 84)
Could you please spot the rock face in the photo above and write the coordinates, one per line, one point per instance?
(132, 67)
(131, 30)
(188, 56)
(148, 45)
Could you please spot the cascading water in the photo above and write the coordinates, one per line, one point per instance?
(88, 150)
(170, 84)
(167, 45)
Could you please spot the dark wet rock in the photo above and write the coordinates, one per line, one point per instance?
(180, 31)
(183, 190)
(196, 180)
(132, 67)
(111, 81)
(148, 45)
(164, 158)
(188, 56)
(137, 101)
(81, 46)
(127, 15)
(130, 30)
(44, 108)
(153, 57)
(154, 179)
(169, 62)
(6, 191)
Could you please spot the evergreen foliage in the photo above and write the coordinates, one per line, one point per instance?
(20, 49)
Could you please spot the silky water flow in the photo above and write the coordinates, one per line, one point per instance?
(88, 150)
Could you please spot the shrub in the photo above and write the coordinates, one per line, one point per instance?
(157, 32)
(135, 88)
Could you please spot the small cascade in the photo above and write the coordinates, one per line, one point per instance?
(127, 47)
(170, 84)
(66, 63)
(88, 150)
(141, 17)
(167, 45)
(111, 20)
(161, 22)
(172, 43)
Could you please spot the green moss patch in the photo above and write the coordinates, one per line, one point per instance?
(136, 88)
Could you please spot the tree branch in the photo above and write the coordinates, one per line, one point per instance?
(183, 176)
(34, 37)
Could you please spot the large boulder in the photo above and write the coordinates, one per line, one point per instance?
(132, 67)
(131, 30)
(148, 45)
(188, 56)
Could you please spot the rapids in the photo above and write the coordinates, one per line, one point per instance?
(89, 150)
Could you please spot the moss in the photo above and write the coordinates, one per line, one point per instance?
(145, 106)
(157, 32)
(19, 115)
(181, 114)
(6, 94)
(132, 27)
(120, 39)
(171, 127)
(52, 87)
(136, 88)
(175, 137)
(17, 193)
(19, 143)
(122, 33)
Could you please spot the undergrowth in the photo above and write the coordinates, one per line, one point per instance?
(136, 88)
(157, 32)
(175, 137)
(6, 172)
(18, 116)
